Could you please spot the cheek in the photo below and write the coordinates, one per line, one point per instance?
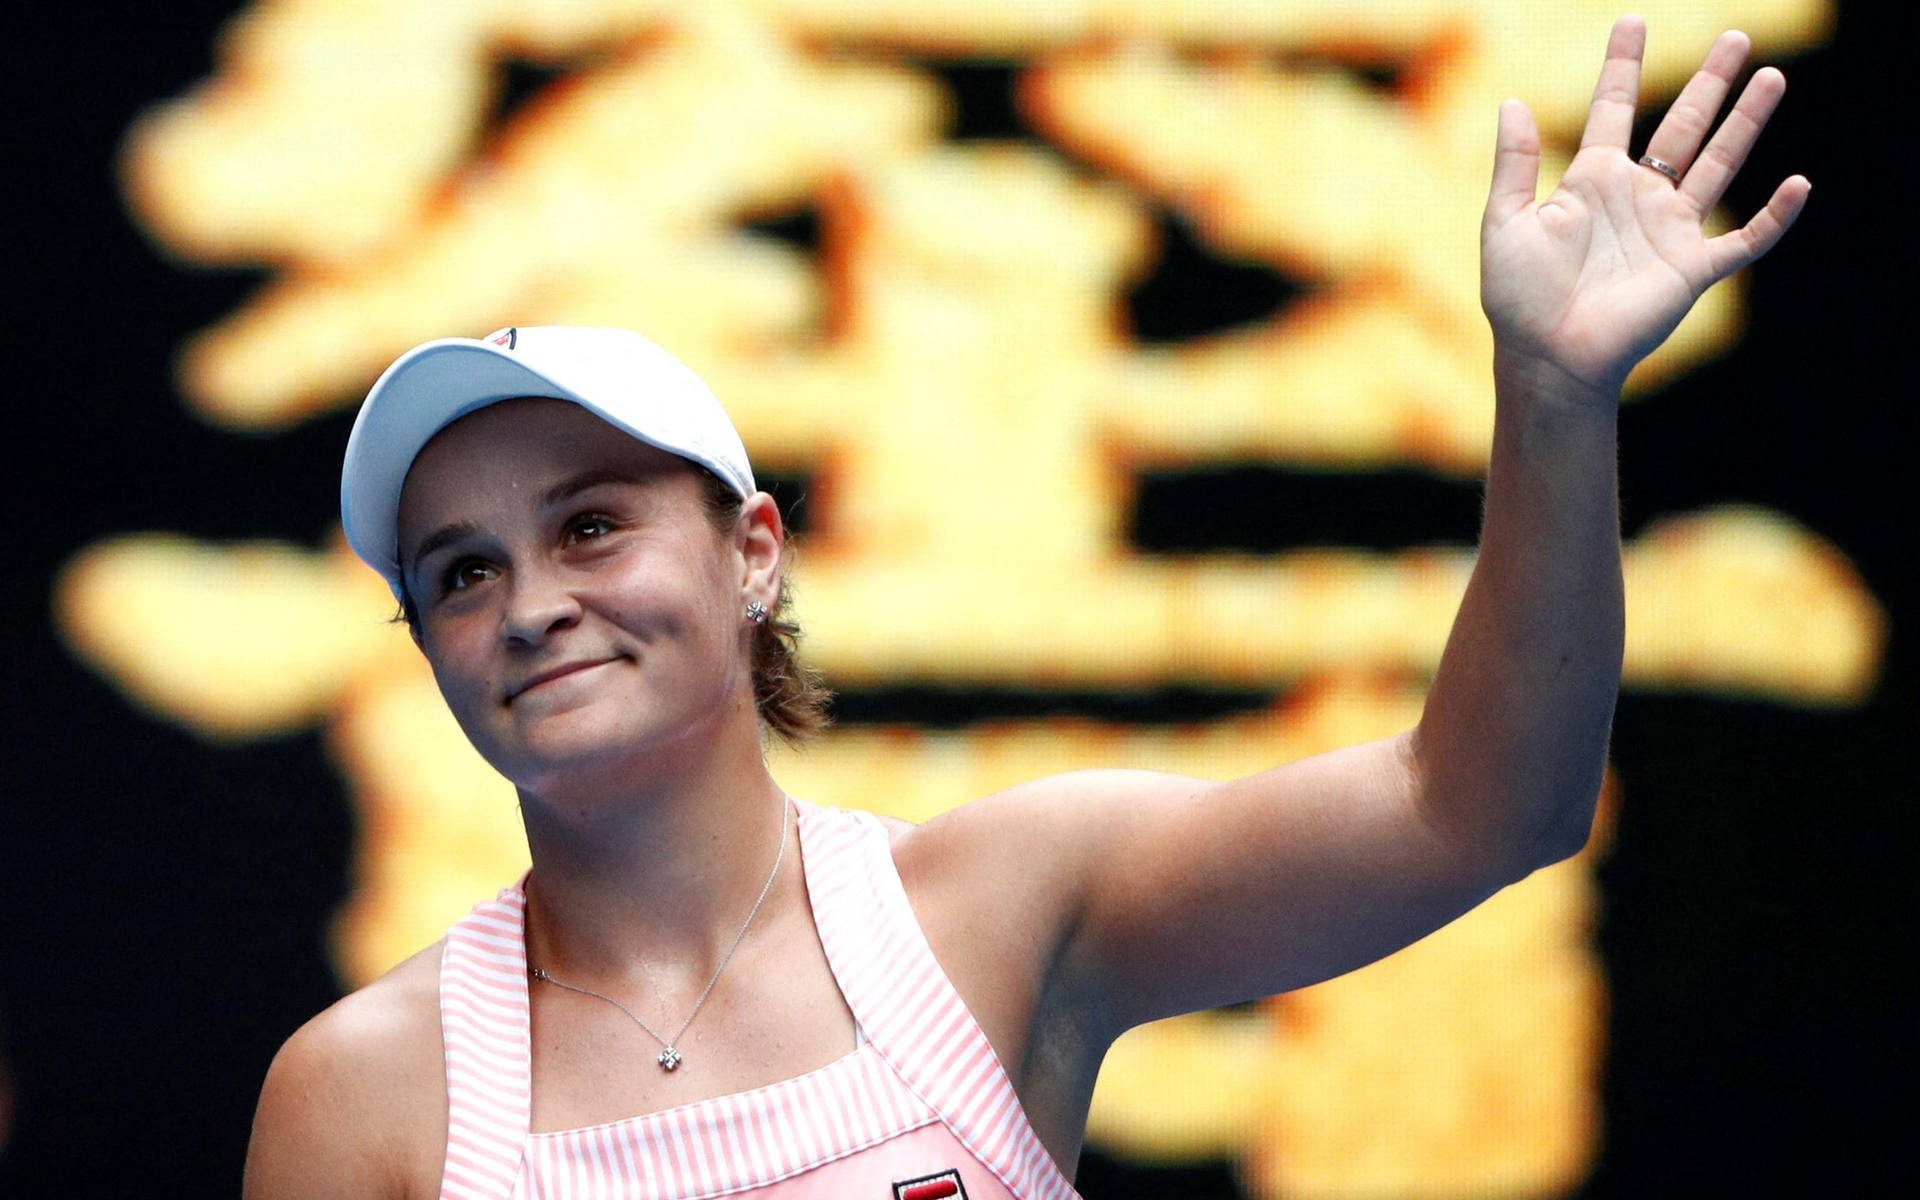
(682, 615)
(681, 590)
(456, 657)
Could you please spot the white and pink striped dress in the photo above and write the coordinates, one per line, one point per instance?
(920, 1111)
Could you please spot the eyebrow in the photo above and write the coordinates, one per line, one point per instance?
(443, 536)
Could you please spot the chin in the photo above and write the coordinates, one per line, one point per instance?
(588, 756)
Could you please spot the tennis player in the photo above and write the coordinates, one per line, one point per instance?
(707, 988)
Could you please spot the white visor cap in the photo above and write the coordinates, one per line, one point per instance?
(615, 374)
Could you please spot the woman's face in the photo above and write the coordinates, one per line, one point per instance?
(578, 607)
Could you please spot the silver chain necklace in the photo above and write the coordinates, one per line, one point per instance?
(669, 1057)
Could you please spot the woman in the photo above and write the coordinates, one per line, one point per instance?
(704, 988)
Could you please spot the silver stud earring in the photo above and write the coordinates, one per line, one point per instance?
(756, 612)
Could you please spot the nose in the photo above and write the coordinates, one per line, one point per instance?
(538, 605)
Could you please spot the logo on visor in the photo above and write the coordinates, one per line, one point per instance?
(931, 1187)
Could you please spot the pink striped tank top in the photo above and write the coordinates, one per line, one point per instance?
(920, 1111)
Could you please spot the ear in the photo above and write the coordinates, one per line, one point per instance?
(760, 536)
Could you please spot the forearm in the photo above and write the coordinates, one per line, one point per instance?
(1512, 743)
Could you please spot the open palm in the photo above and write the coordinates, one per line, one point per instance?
(1590, 280)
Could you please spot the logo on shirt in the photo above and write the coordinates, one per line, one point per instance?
(931, 1187)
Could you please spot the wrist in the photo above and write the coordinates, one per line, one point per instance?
(1541, 380)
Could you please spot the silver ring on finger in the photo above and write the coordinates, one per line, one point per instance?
(1661, 165)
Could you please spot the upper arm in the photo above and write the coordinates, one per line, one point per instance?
(1142, 895)
(351, 1104)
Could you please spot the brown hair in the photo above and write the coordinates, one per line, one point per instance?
(791, 697)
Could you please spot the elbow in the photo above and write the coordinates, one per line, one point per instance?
(1513, 823)
(1558, 831)
(1510, 859)
(1565, 834)
(1566, 840)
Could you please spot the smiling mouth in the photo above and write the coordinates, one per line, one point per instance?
(549, 676)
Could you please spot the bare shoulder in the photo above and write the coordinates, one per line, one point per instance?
(355, 1101)
(1029, 841)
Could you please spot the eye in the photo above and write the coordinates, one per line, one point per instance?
(585, 528)
(466, 572)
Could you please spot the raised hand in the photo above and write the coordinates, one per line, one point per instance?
(1591, 280)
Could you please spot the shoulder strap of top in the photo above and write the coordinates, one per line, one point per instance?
(903, 1000)
(484, 1024)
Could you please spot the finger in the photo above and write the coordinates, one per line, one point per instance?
(1707, 181)
(1516, 163)
(1732, 251)
(1685, 126)
(1610, 118)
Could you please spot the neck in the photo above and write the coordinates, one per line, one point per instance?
(651, 875)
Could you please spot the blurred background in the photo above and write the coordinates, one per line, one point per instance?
(1121, 368)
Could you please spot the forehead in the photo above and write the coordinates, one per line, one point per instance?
(515, 444)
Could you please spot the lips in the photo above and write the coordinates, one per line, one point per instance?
(552, 673)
